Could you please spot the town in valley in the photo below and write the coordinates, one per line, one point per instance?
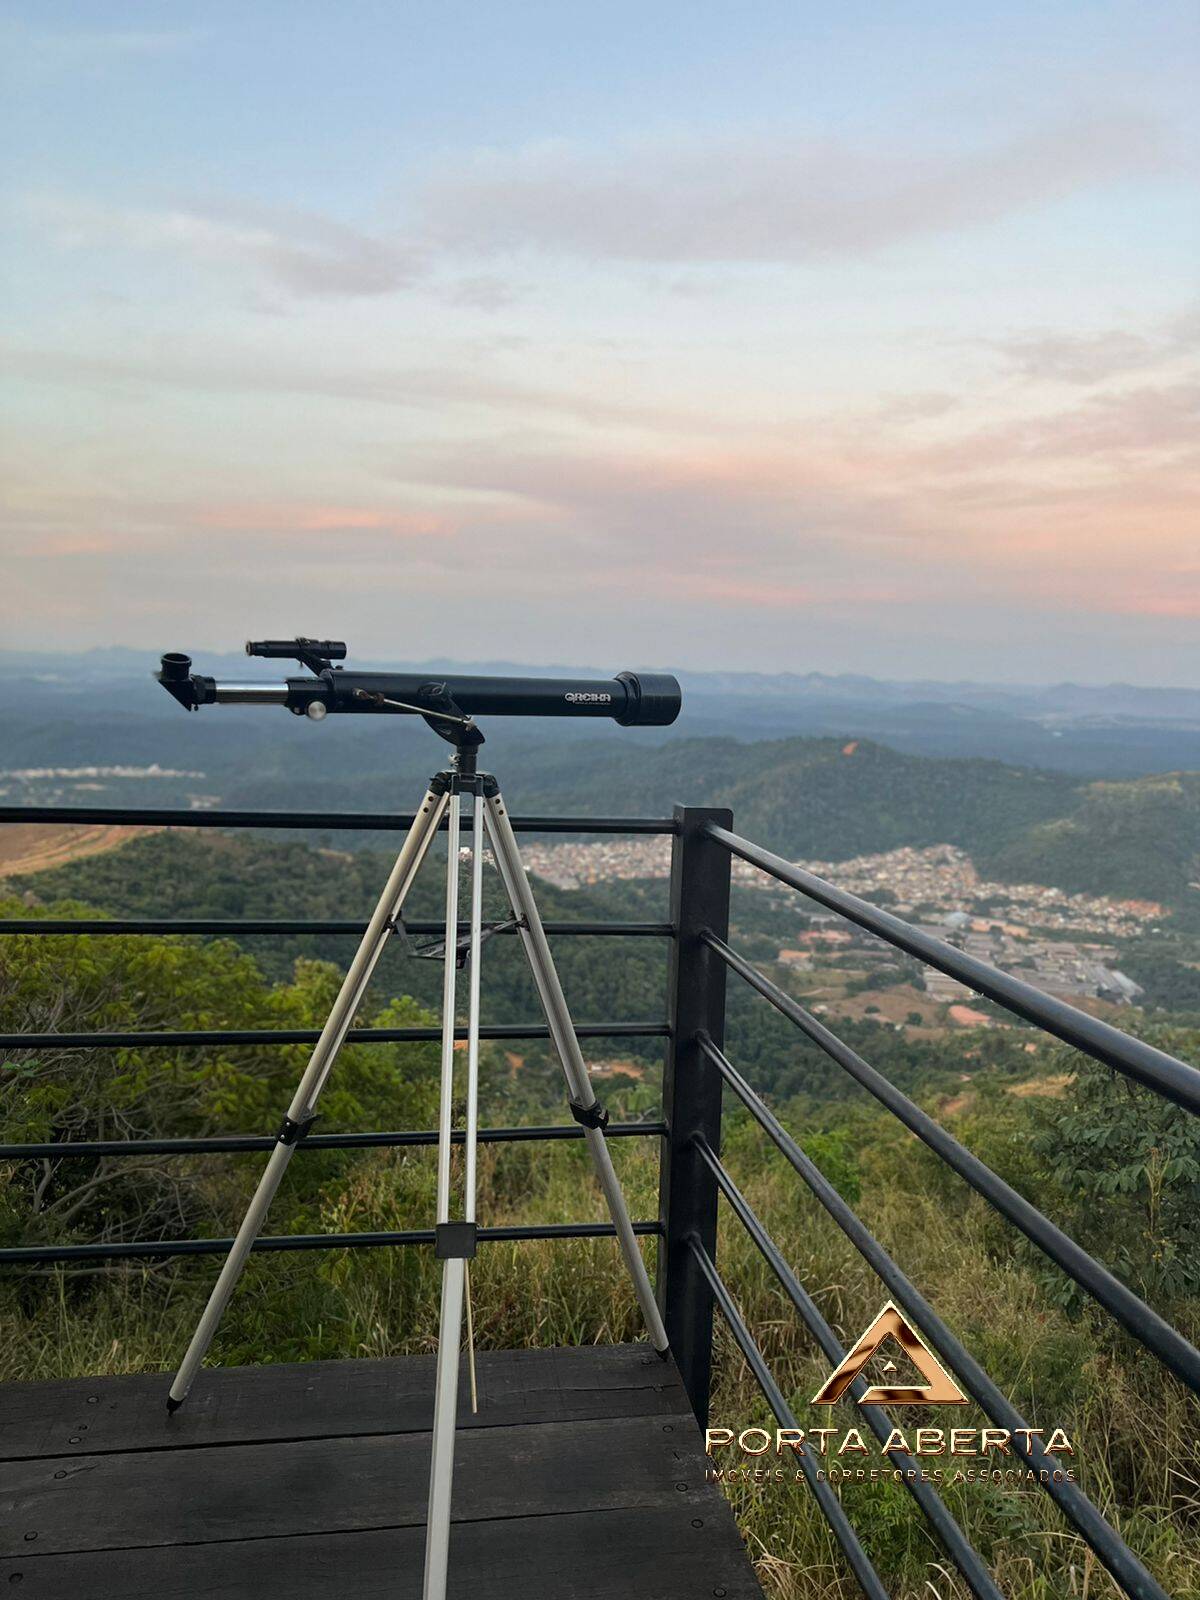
(1064, 944)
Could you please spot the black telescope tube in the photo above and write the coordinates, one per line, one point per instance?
(628, 698)
(632, 699)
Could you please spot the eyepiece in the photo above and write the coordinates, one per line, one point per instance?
(175, 675)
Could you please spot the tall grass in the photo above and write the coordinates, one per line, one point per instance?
(1134, 1429)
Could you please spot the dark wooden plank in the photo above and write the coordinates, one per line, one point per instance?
(335, 1485)
(318, 1399)
(625, 1554)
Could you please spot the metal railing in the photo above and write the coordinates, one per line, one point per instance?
(693, 1179)
(371, 822)
(1172, 1079)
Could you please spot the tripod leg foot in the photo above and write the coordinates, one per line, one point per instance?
(173, 1405)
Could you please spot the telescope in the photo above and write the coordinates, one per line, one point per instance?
(633, 699)
(449, 706)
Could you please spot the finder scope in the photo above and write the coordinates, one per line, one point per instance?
(297, 649)
(633, 699)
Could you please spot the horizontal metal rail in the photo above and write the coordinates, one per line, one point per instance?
(247, 1143)
(27, 1255)
(272, 1036)
(830, 1505)
(1145, 1324)
(964, 1555)
(231, 928)
(349, 821)
(1108, 1545)
(1154, 1068)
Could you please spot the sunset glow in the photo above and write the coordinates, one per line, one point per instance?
(789, 338)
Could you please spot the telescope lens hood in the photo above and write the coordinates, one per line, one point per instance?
(654, 699)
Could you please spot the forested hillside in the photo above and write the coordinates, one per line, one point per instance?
(229, 876)
(1135, 839)
(827, 799)
(1115, 1166)
(831, 799)
(840, 782)
(1119, 1168)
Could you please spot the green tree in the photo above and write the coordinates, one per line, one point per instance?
(82, 983)
(1129, 1160)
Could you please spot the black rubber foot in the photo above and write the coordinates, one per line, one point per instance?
(173, 1405)
(663, 1355)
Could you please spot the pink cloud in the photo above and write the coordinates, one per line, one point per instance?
(296, 518)
(74, 544)
(1082, 509)
(784, 596)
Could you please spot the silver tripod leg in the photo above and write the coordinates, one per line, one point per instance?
(300, 1112)
(562, 1032)
(445, 1416)
(454, 1268)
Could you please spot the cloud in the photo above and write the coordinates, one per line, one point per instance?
(470, 385)
(1159, 423)
(1094, 358)
(296, 250)
(483, 291)
(1158, 420)
(729, 542)
(129, 524)
(1091, 508)
(295, 519)
(769, 198)
(919, 407)
(51, 50)
(688, 202)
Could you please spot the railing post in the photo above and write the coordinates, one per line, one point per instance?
(700, 870)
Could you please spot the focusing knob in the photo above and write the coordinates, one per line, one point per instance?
(316, 710)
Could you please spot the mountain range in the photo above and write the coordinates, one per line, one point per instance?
(102, 706)
(1134, 834)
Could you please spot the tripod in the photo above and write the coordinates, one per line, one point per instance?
(455, 1240)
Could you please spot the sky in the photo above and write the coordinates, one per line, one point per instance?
(771, 336)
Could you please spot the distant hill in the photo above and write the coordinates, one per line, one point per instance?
(828, 799)
(1137, 839)
(102, 706)
(832, 799)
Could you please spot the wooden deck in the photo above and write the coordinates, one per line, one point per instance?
(581, 1478)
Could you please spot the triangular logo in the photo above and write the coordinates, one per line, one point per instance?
(940, 1390)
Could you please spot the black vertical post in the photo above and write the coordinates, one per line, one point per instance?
(692, 1094)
